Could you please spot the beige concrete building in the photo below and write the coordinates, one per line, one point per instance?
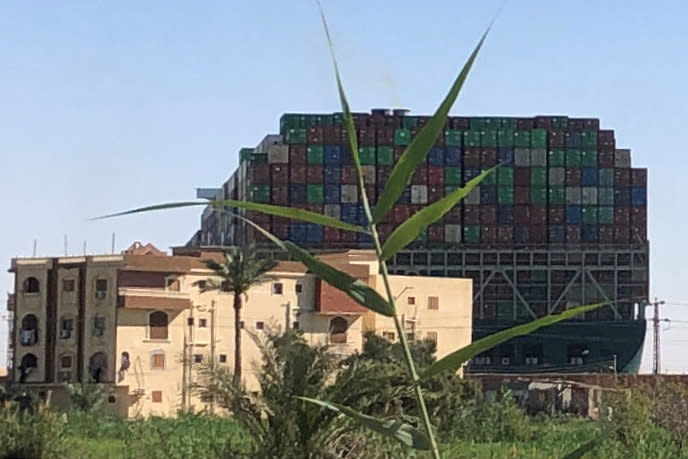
(140, 323)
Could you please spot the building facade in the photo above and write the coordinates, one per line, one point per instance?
(141, 323)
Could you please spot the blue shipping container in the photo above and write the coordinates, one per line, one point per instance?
(314, 233)
(505, 215)
(589, 176)
(345, 156)
(589, 233)
(405, 196)
(521, 234)
(333, 175)
(488, 194)
(469, 173)
(332, 194)
(332, 154)
(574, 215)
(639, 196)
(298, 232)
(452, 156)
(436, 156)
(362, 237)
(349, 213)
(297, 193)
(505, 155)
(622, 197)
(557, 234)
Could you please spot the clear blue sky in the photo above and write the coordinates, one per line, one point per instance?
(105, 106)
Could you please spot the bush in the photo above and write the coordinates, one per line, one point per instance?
(27, 434)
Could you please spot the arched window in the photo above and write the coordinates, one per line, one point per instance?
(157, 323)
(97, 365)
(31, 285)
(338, 328)
(28, 335)
(29, 363)
(124, 365)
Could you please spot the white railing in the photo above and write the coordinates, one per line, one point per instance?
(152, 293)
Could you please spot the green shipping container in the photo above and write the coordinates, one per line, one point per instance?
(409, 122)
(338, 119)
(538, 176)
(589, 139)
(258, 158)
(573, 158)
(488, 138)
(367, 155)
(588, 158)
(471, 234)
(472, 138)
(260, 193)
(323, 120)
(314, 194)
(590, 215)
(556, 158)
(606, 177)
(606, 215)
(522, 139)
(557, 195)
(245, 153)
(453, 138)
(315, 154)
(508, 123)
(449, 189)
(538, 195)
(505, 138)
(385, 155)
(505, 195)
(505, 176)
(402, 137)
(296, 135)
(452, 175)
(538, 138)
(605, 196)
(490, 179)
(290, 121)
(560, 122)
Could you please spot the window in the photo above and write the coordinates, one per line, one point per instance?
(433, 302)
(202, 285)
(101, 288)
(431, 336)
(410, 336)
(389, 336)
(97, 365)
(277, 288)
(338, 328)
(157, 324)
(31, 285)
(241, 324)
(98, 326)
(190, 321)
(28, 334)
(298, 288)
(172, 284)
(156, 396)
(295, 325)
(66, 328)
(260, 325)
(66, 361)
(223, 358)
(412, 300)
(578, 354)
(111, 399)
(29, 363)
(64, 376)
(68, 285)
(158, 360)
(198, 358)
(202, 323)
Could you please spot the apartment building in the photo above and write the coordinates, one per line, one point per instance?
(141, 323)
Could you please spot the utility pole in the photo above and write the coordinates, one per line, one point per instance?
(212, 348)
(656, 361)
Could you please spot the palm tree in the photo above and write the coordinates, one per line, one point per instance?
(241, 269)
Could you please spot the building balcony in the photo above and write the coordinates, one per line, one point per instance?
(149, 298)
(11, 302)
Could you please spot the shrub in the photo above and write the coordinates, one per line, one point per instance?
(25, 434)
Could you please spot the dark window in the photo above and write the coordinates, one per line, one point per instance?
(433, 302)
(157, 323)
(101, 288)
(412, 300)
(260, 325)
(158, 361)
(389, 336)
(202, 285)
(28, 335)
(98, 326)
(97, 365)
(295, 325)
(223, 358)
(431, 336)
(410, 336)
(172, 284)
(277, 288)
(68, 285)
(202, 323)
(190, 321)
(66, 361)
(338, 328)
(198, 358)
(31, 285)
(299, 288)
(66, 328)
(241, 324)
(111, 399)
(156, 396)
(29, 363)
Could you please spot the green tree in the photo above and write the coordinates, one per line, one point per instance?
(241, 269)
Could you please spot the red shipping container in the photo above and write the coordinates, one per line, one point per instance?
(525, 124)
(622, 177)
(382, 173)
(471, 157)
(371, 193)
(488, 215)
(638, 234)
(436, 176)
(488, 233)
(366, 136)
(279, 174)
(557, 215)
(297, 155)
(573, 233)
(297, 174)
(543, 122)
(639, 177)
(259, 218)
(576, 124)
(413, 208)
(331, 234)
(471, 215)
(522, 214)
(454, 215)
(462, 123)
(259, 174)
(606, 148)
(557, 139)
(638, 216)
(398, 151)
(572, 177)
(522, 176)
(505, 234)
(605, 137)
(389, 216)
(348, 236)
(591, 124)
(420, 176)
(538, 215)
(435, 193)
(281, 230)
(521, 195)
(488, 157)
(606, 233)
(605, 159)
(401, 213)
(537, 233)
(314, 174)
(436, 233)
(253, 234)
(622, 216)
(280, 195)
(384, 230)
(330, 134)
(348, 175)
(385, 136)
(315, 135)
(622, 234)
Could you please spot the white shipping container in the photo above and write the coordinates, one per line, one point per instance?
(419, 194)
(271, 139)
(333, 210)
(368, 174)
(589, 195)
(557, 175)
(538, 157)
(278, 154)
(452, 233)
(349, 194)
(573, 195)
(473, 197)
(522, 157)
(622, 158)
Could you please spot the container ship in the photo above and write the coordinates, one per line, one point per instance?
(561, 223)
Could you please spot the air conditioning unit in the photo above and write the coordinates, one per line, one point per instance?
(140, 391)
(101, 294)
